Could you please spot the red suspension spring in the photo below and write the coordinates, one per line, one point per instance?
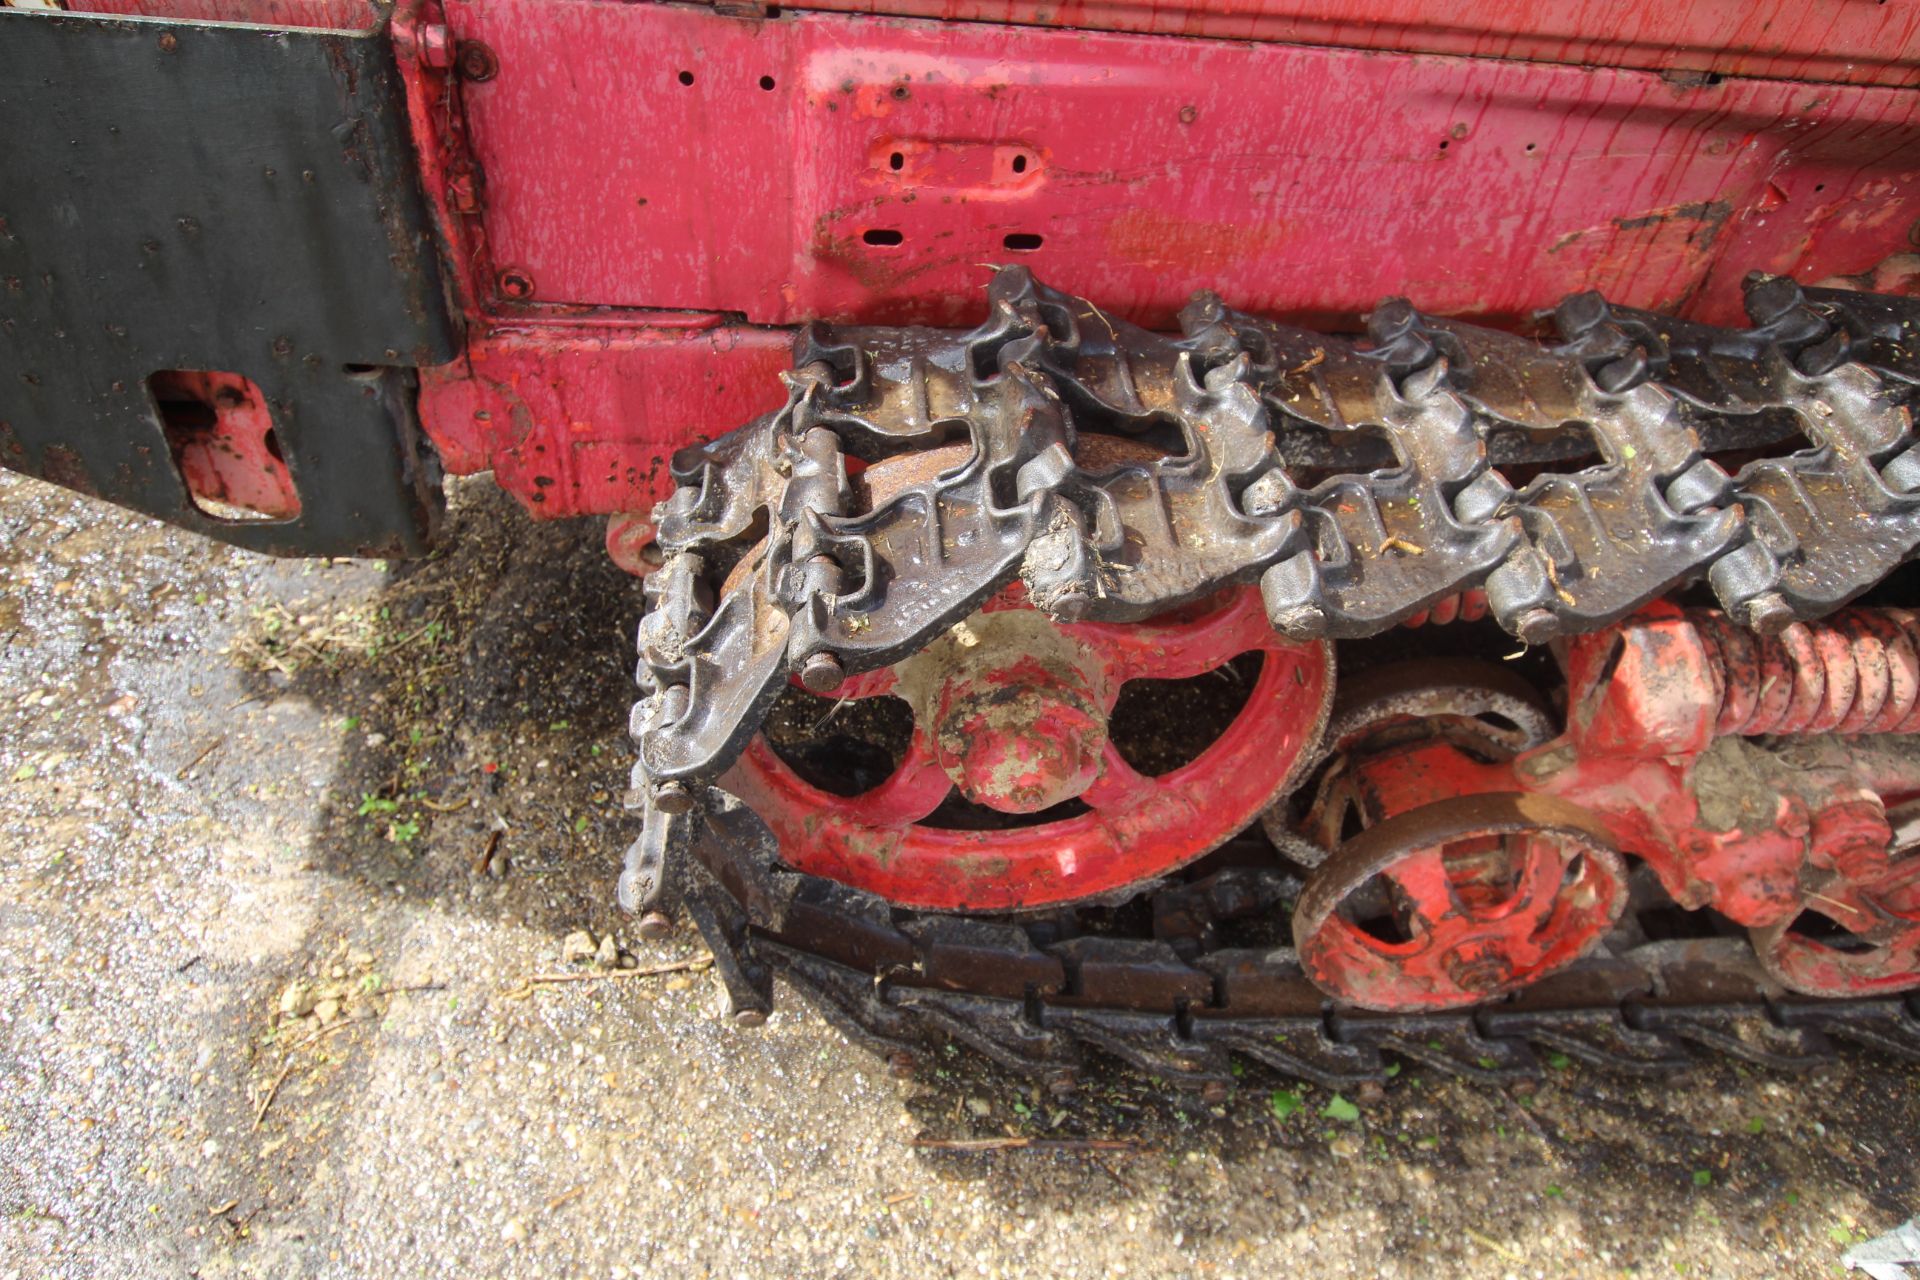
(1856, 672)
(1464, 606)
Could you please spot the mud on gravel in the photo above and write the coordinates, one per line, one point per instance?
(282, 842)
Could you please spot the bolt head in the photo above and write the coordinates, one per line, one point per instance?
(749, 1017)
(822, 673)
(655, 926)
(476, 62)
(515, 284)
(673, 798)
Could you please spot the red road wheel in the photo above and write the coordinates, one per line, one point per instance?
(1012, 708)
(1456, 902)
(1848, 940)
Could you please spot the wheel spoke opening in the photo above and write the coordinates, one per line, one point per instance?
(1162, 725)
(842, 746)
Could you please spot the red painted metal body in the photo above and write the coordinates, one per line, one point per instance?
(1505, 889)
(656, 185)
(1790, 39)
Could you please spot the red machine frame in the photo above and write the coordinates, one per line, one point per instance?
(659, 205)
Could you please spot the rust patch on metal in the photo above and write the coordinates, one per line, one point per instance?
(65, 468)
(1710, 214)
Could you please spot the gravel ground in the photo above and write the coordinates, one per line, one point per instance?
(263, 1007)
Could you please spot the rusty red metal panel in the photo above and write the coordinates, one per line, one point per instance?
(1851, 41)
(219, 429)
(581, 418)
(828, 167)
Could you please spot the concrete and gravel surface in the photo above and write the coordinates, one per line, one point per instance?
(281, 844)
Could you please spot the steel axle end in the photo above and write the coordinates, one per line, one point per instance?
(673, 798)
(1769, 614)
(822, 673)
(1536, 626)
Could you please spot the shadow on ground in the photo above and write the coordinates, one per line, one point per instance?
(414, 794)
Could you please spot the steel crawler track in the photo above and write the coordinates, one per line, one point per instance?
(1360, 482)
(1034, 1000)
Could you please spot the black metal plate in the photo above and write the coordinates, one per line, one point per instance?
(181, 195)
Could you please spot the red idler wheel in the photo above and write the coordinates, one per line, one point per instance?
(1457, 902)
(1020, 727)
(1850, 940)
(1481, 711)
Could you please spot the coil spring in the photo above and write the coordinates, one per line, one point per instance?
(1856, 672)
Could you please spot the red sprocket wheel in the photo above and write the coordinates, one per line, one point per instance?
(1011, 708)
(1458, 901)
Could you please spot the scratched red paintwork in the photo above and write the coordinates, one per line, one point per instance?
(1842, 40)
(1297, 181)
(1646, 700)
(1307, 181)
(575, 418)
(1496, 901)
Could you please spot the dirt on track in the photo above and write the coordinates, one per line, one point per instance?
(281, 842)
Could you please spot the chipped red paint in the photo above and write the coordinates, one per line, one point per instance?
(1882, 911)
(1019, 731)
(1675, 680)
(1137, 826)
(634, 160)
(665, 179)
(328, 15)
(577, 418)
